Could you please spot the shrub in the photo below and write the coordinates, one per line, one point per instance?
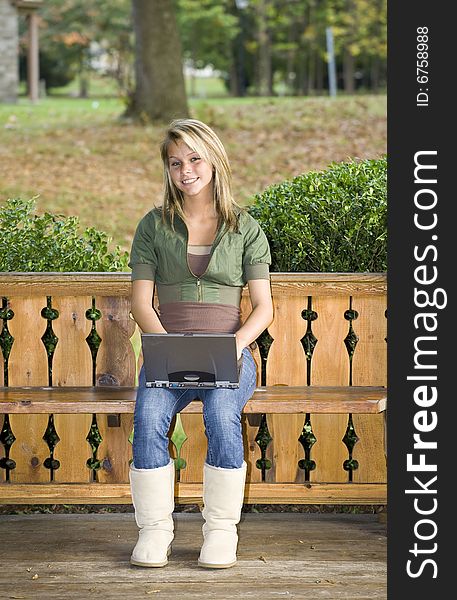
(31, 242)
(329, 221)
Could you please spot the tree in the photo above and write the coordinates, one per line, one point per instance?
(207, 30)
(69, 31)
(360, 38)
(160, 93)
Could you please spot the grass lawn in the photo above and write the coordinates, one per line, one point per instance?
(79, 158)
(100, 86)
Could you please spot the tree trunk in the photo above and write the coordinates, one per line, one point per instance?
(291, 59)
(319, 73)
(348, 56)
(348, 70)
(310, 83)
(83, 73)
(83, 85)
(264, 73)
(160, 93)
(290, 71)
(233, 78)
(374, 74)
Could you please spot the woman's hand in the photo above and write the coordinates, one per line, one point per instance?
(240, 344)
(142, 309)
(260, 317)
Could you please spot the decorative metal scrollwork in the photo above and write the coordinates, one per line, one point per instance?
(263, 439)
(264, 342)
(350, 439)
(49, 338)
(7, 438)
(51, 438)
(6, 339)
(93, 339)
(94, 438)
(309, 340)
(307, 439)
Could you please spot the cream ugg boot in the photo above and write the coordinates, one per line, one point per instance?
(223, 493)
(153, 500)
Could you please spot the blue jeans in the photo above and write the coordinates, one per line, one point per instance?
(222, 408)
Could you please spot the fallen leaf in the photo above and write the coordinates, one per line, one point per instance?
(263, 558)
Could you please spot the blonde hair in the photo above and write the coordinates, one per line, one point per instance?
(201, 139)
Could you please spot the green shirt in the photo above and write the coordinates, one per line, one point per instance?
(160, 254)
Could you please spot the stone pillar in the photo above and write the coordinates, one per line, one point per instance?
(9, 63)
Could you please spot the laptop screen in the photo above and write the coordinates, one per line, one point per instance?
(190, 360)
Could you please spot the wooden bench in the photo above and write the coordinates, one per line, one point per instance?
(314, 428)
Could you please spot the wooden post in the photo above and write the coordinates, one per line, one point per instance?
(29, 8)
(33, 69)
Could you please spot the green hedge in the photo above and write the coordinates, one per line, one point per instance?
(322, 221)
(329, 221)
(31, 242)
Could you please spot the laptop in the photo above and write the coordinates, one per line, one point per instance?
(190, 360)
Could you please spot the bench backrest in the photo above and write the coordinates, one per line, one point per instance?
(74, 329)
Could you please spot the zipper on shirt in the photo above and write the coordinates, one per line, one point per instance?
(198, 279)
(199, 291)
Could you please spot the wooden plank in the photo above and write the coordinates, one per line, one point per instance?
(115, 367)
(115, 451)
(194, 448)
(286, 366)
(28, 365)
(327, 284)
(370, 365)
(119, 284)
(115, 358)
(190, 493)
(329, 366)
(65, 284)
(72, 366)
(250, 425)
(322, 587)
(347, 554)
(274, 400)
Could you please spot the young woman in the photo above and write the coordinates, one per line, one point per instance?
(199, 250)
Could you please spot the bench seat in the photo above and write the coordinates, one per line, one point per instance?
(271, 400)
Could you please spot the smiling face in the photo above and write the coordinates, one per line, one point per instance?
(190, 173)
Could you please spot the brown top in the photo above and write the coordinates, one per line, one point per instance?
(199, 317)
(198, 263)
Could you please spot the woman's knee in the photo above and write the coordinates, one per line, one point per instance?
(221, 415)
(154, 410)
